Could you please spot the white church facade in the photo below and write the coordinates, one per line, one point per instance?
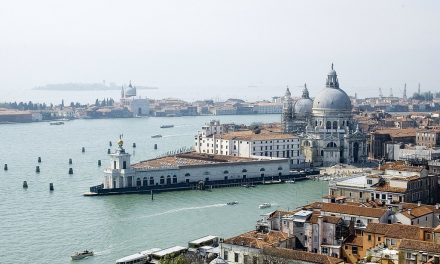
(328, 133)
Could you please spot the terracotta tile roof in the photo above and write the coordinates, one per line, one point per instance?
(409, 178)
(355, 240)
(437, 229)
(326, 219)
(417, 212)
(353, 210)
(406, 206)
(397, 132)
(398, 231)
(280, 213)
(387, 188)
(257, 239)
(418, 245)
(400, 166)
(250, 135)
(187, 159)
(300, 255)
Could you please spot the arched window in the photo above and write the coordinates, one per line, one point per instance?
(174, 179)
(280, 168)
(328, 125)
(162, 180)
(262, 169)
(138, 182)
(226, 172)
(151, 181)
(335, 125)
(322, 152)
(244, 170)
(168, 179)
(187, 174)
(331, 145)
(145, 181)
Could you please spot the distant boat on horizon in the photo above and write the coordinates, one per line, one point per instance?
(166, 126)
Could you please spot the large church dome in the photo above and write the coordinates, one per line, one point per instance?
(332, 97)
(303, 106)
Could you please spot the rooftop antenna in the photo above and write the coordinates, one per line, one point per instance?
(380, 92)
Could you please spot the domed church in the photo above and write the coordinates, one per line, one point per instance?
(325, 125)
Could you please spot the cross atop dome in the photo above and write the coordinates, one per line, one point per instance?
(288, 94)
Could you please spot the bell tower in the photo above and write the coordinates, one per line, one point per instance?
(119, 174)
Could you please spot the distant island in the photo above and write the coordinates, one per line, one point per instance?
(86, 87)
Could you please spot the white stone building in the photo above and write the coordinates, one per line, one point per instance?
(186, 169)
(213, 139)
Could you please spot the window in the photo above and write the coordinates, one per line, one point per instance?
(262, 169)
(187, 174)
(174, 179)
(145, 181)
(369, 237)
(369, 181)
(236, 257)
(245, 259)
(225, 255)
(354, 250)
(324, 250)
(254, 260)
(408, 255)
(162, 179)
(138, 182)
(244, 170)
(151, 181)
(225, 172)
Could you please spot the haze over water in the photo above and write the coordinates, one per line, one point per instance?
(42, 227)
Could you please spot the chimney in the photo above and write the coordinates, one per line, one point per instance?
(436, 206)
(419, 203)
(409, 211)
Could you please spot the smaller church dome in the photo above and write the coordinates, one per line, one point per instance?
(218, 260)
(304, 105)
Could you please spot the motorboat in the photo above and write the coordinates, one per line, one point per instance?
(166, 126)
(248, 185)
(56, 123)
(81, 255)
(264, 205)
(156, 136)
(290, 181)
(232, 203)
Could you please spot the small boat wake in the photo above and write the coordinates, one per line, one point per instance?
(178, 210)
(103, 252)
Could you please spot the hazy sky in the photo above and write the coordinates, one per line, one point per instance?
(218, 49)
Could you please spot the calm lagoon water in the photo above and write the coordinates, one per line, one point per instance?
(39, 226)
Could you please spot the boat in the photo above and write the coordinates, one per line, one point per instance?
(156, 136)
(264, 205)
(290, 181)
(232, 203)
(81, 255)
(248, 185)
(166, 126)
(56, 123)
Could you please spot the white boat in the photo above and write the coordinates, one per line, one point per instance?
(232, 203)
(81, 255)
(290, 181)
(264, 205)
